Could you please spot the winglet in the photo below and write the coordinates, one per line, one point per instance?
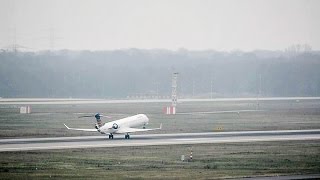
(160, 126)
(66, 126)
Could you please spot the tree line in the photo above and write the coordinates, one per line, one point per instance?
(137, 72)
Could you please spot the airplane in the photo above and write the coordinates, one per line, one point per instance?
(121, 126)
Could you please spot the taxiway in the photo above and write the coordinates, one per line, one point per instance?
(34, 101)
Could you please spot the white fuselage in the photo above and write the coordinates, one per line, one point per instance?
(114, 127)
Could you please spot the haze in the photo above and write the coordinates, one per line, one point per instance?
(196, 25)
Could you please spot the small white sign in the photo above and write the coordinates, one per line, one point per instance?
(25, 110)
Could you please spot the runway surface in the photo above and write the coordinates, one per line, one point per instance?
(33, 101)
(27, 144)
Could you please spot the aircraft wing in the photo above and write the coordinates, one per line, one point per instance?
(89, 130)
(130, 130)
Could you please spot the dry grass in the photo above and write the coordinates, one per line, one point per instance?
(47, 120)
(163, 162)
(159, 162)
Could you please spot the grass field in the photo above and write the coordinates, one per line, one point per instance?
(47, 120)
(210, 161)
(163, 162)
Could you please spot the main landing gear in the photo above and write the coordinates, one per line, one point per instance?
(127, 136)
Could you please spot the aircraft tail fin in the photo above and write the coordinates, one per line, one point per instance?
(98, 119)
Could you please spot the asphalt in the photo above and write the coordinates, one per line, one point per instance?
(283, 177)
(27, 144)
(33, 101)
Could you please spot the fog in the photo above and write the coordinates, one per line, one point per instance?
(129, 49)
(166, 24)
(136, 73)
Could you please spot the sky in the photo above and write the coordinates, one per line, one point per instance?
(222, 25)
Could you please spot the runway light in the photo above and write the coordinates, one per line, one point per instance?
(190, 155)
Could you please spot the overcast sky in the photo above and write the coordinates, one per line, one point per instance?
(166, 24)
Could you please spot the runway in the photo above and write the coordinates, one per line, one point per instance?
(47, 101)
(27, 144)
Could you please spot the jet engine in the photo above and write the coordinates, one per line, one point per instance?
(115, 126)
